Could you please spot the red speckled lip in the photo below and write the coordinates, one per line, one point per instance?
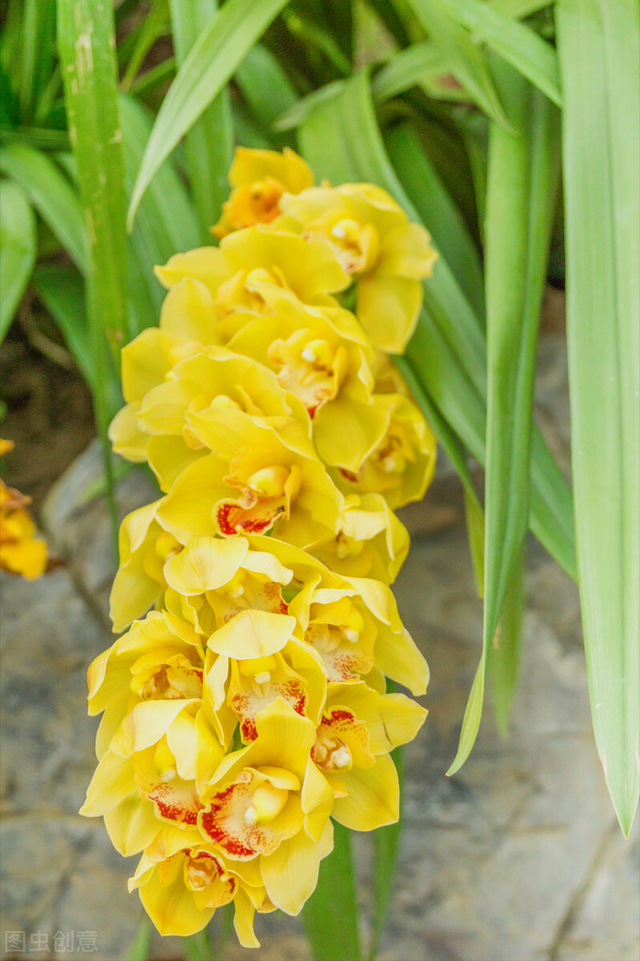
(230, 521)
(213, 823)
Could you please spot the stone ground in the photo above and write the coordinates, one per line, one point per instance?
(516, 858)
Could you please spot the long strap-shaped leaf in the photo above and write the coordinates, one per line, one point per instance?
(209, 142)
(17, 249)
(87, 54)
(85, 39)
(517, 43)
(49, 190)
(210, 63)
(599, 59)
(330, 916)
(521, 191)
(467, 62)
(327, 142)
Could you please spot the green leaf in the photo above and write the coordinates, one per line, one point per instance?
(165, 224)
(87, 54)
(408, 68)
(208, 66)
(521, 192)
(519, 8)
(139, 947)
(300, 111)
(468, 63)
(17, 249)
(85, 35)
(475, 530)
(504, 653)
(437, 211)
(265, 86)
(50, 192)
(154, 26)
(598, 43)
(154, 77)
(61, 289)
(386, 844)
(517, 43)
(197, 947)
(330, 916)
(36, 53)
(36, 137)
(209, 142)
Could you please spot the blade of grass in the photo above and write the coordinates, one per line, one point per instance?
(208, 66)
(87, 54)
(518, 44)
(51, 194)
(468, 63)
(209, 142)
(504, 653)
(330, 916)
(521, 192)
(598, 43)
(17, 249)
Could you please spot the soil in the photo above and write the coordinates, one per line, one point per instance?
(47, 413)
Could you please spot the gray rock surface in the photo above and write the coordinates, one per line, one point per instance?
(516, 858)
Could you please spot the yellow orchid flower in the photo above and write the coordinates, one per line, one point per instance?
(402, 465)
(320, 355)
(159, 658)
(144, 547)
(214, 579)
(151, 775)
(188, 322)
(355, 627)
(269, 801)
(21, 552)
(374, 241)
(371, 542)
(214, 378)
(259, 179)
(263, 474)
(262, 255)
(182, 882)
(359, 727)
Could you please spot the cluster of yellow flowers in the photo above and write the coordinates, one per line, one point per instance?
(21, 552)
(249, 706)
